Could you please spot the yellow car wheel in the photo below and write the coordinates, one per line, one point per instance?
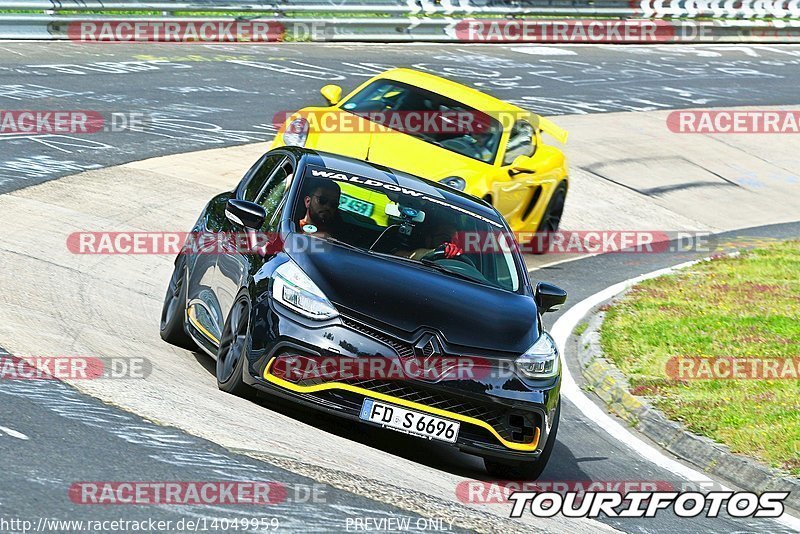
(551, 219)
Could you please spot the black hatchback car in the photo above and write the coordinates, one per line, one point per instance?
(374, 295)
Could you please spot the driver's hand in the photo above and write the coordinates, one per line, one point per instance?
(451, 250)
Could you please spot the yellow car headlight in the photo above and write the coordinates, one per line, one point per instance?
(296, 133)
(455, 182)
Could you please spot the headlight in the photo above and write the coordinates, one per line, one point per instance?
(296, 133)
(295, 290)
(455, 182)
(541, 360)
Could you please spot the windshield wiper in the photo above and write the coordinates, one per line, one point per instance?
(442, 269)
(390, 256)
(435, 266)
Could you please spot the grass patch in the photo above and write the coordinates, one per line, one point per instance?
(741, 307)
(581, 328)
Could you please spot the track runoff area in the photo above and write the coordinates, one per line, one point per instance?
(650, 505)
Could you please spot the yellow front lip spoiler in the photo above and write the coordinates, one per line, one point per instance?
(394, 400)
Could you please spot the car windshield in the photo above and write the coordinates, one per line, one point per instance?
(424, 226)
(430, 117)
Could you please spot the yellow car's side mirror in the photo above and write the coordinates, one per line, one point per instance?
(332, 93)
(522, 164)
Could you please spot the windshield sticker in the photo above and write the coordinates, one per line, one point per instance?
(313, 171)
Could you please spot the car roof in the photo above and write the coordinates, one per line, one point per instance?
(462, 93)
(375, 171)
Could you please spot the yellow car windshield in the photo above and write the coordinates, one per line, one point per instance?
(428, 116)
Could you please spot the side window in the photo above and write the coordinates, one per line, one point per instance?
(520, 142)
(259, 176)
(273, 193)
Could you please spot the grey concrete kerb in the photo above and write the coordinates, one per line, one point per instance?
(602, 378)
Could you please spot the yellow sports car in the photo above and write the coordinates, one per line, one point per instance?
(444, 131)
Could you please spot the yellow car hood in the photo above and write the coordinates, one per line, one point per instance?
(340, 132)
(337, 131)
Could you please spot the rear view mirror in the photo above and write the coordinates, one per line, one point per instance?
(549, 297)
(332, 93)
(247, 214)
(393, 210)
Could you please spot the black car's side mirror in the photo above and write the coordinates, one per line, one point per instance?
(549, 297)
(248, 214)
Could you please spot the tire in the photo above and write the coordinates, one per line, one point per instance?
(233, 349)
(173, 313)
(525, 470)
(551, 219)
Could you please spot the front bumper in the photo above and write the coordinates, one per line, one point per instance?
(501, 416)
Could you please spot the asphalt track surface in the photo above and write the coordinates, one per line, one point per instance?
(198, 96)
(75, 438)
(194, 96)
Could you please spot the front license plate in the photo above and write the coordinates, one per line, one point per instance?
(410, 422)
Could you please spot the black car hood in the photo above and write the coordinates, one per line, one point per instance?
(409, 297)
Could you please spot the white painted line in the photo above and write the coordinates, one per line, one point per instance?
(13, 433)
(561, 331)
(543, 51)
(565, 260)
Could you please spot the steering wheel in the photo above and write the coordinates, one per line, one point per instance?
(461, 145)
(438, 254)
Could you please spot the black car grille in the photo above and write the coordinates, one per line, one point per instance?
(512, 425)
(498, 417)
(404, 350)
